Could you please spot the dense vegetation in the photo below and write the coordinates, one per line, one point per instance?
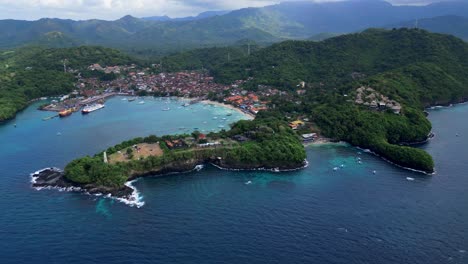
(271, 144)
(411, 66)
(33, 72)
(207, 58)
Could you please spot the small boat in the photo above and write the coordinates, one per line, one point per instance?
(224, 118)
(131, 99)
(229, 114)
(220, 126)
(166, 109)
(276, 170)
(124, 99)
(360, 162)
(374, 172)
(335, 169)
(342, 165)
(204, 122)
(65, 112)
(409, 178)
(248, 182)
(141, 102)
(215, 117)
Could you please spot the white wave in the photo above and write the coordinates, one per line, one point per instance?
(134, 200)
(35, 174)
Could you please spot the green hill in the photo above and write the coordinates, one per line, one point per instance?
(33, 72)
(413, 67)
(273, 23)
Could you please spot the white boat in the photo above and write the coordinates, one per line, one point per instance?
(374, 172)
(141, 102)
(124, 99)
(91, 108)
(215, 117)
(248, 182)
(224, 118)
(335, 169)
(166, 109)
(409, 178)
(220, 126)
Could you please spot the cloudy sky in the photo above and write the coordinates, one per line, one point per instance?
(113, 9)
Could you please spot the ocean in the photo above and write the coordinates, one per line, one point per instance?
(315, 215)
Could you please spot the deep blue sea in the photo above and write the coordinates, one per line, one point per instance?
(316, 215)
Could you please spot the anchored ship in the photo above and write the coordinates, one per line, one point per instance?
(65, 112)
(91, 108)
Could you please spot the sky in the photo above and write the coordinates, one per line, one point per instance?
(114, 9)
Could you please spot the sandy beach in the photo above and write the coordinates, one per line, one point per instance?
(321, 141)
(250, 115)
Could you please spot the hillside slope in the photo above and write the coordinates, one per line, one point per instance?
(29, 73)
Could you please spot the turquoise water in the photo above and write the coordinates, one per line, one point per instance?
(316, 215)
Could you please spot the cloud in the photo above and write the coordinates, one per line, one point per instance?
(113, 9)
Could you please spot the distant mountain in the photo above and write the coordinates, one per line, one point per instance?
(453, 25)
(294, 20)
(189, 18)
(304, 19)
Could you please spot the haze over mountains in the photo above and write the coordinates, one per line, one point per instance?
(290, 20)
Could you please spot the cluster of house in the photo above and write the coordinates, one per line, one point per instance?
(249, 102)
(296, 124)
(373, 99)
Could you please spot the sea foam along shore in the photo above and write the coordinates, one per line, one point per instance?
(133, 200)
(250, 115)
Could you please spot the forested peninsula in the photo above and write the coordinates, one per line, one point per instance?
(265, 143)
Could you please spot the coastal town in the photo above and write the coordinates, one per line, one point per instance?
(134, 82)
(97, 84)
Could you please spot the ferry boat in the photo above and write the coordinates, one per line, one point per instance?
(66, 112)
(91, 108)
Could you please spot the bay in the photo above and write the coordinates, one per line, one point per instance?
(315, 215)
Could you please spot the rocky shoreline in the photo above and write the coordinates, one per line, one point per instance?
(54, 178)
